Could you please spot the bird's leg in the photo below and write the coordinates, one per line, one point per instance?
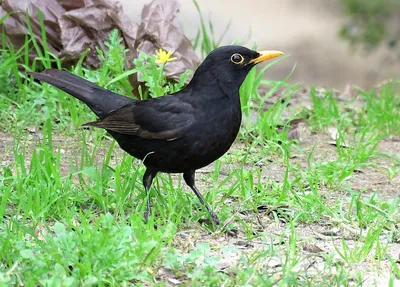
(189, 179)
(147, 180)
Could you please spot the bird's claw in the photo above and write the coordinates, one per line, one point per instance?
(215, 219)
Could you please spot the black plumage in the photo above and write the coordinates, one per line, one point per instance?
(177, 133)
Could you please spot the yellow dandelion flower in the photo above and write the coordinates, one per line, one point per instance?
(164, 56)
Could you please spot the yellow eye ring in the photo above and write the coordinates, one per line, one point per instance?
(237, 59)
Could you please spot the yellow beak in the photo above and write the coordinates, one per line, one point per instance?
(265, 55)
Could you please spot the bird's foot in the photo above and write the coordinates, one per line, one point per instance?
(215, 219)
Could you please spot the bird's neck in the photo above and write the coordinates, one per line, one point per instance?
(210, 81)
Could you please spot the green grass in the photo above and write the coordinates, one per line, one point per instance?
(71, 202)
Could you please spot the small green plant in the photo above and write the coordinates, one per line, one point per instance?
(325, 112)
(199, 263)
(114, 63)
(150, 70)
(380, 110)
(363, 248)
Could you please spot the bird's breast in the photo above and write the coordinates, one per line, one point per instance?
(211, 134)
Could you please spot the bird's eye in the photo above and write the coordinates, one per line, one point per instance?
(237, 58)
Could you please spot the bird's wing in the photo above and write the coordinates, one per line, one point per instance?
(164, 118)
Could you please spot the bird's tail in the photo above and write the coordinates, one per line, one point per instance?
(99, 100)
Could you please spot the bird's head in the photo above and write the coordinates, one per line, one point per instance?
(229, 66)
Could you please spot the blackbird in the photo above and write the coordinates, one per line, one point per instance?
(177, 133)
